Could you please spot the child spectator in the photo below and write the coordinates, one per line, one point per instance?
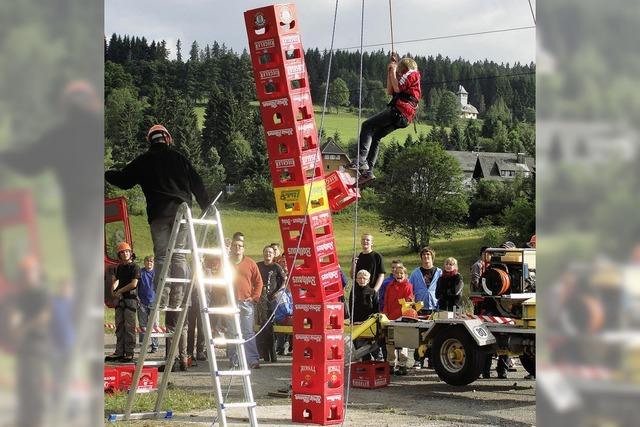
(124, 285)
(282, 303)
(365, 303)
(450, 285)
(403, 83)
(146, 295)
(398, 289)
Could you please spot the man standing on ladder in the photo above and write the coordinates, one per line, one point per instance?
(167, 179)
(248, 286)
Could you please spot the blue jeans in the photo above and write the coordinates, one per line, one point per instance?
(247, 311)
(143, 319)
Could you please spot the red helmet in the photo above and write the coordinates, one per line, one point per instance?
(157, 130)
(123, 246)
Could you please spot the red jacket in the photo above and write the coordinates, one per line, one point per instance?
(409, 84)
(396, 291)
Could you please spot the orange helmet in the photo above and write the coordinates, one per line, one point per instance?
(156, 130)
(123, 246)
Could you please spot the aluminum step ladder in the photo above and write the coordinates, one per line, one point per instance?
(200, 281)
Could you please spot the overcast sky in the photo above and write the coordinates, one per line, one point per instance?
(207, 21)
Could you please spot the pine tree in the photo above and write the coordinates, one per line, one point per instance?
(179, 51)
(194, 53)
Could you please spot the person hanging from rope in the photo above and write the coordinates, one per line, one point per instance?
(403, 84)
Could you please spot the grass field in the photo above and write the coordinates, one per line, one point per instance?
(346, 124)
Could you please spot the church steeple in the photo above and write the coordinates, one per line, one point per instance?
(462, 95)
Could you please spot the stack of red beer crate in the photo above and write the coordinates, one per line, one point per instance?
(304, 215)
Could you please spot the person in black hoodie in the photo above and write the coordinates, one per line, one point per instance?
(365, 303)
(450, 285)
(167, 179)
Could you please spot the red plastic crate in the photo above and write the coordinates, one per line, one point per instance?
(292, 141)
(296, 170)
(317, 222)
(276, 52)
(148, 380)
(318, 347)
(317, 409)
(370, 374)
(286, 112)
(110, 379)
(270, 22)
(313, 283)
(311, 251)
(320, 317)
(318, 378)
(340, 190)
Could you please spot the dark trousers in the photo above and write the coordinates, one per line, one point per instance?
(195, 328)
(501, 368)
(126, 326)
(266, 343)
(373, 130)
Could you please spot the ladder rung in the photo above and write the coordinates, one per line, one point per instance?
(225, 341)
(161, 334)
(154, 362)
(233, 373)
(238, 405)
(220, 310)
(182, 251)
(141, 416)
(210, 251)
(214, 282)
(170, 309)
(200, 221)
(176, 280)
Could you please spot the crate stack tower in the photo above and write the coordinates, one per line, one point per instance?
(295, 162)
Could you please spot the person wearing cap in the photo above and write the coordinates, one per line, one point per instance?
(167, 179)
(124, 285)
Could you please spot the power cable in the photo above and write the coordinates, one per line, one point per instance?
(448, 36)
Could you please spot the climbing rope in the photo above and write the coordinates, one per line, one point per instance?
(355, 222)
(390, 25)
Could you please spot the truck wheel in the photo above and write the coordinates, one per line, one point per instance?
(528, 363)
(457, 358)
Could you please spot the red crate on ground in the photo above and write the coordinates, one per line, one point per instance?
(318, 347)
(110, 379)
(296, 170)
(340, 190)
(315, 283)
(370, 374)
(318, 378)
(319, 317)
(317, 409)
(148, 379)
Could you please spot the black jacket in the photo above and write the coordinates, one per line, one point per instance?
(449, 291)
(167, 179)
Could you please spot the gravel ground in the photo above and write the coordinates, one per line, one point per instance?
(418, 399)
